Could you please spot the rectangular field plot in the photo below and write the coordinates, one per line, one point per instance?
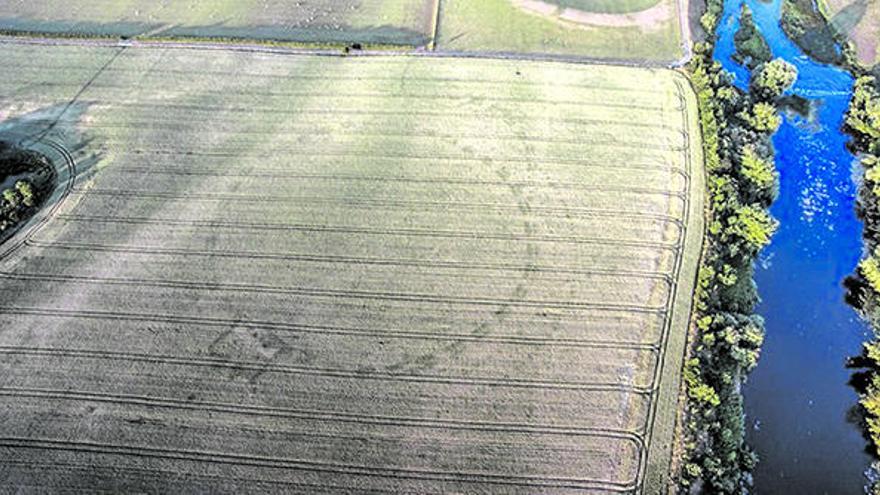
(640, 30)
(319, 274)
(394, 22)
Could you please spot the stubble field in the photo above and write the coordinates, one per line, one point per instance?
(401, 274)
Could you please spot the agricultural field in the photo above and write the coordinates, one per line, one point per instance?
(860, 21)
(373, 22)
(632, 30)
(413, 274)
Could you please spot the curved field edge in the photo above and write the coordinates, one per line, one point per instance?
(662, 440)
(65, 170)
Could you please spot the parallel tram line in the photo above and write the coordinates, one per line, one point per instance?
(205, 321)
(336, 134)
(167, 473)
(345, 293)
(543, 482)
(358, 78)
(667, 327)
(282, 173)
(319, 415)
(409, 205)
(305, 154)
(373, 375)
(191, 109)
(320, 258)
(451, 234)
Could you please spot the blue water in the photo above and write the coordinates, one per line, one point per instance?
(797, 400)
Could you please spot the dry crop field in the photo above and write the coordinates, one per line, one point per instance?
(395, 22)
(326, 274)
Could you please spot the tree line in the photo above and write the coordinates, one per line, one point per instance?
(742, 183)
(863, 124)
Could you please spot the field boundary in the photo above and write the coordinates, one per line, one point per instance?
(661, 434)
(435, 25)
(254, 46)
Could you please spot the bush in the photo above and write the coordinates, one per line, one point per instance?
(773, 79)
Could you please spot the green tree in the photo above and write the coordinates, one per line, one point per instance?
(760, 176)
(751, 227)
(773, 79)
(11, 197)
(763, 118)
(27, 192)
(863, 117)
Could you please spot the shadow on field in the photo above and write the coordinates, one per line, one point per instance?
(75, 28)
(373, 35)
(52, 132)
(55, 128)
(221, 31)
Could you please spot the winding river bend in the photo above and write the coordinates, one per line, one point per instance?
(797, 400)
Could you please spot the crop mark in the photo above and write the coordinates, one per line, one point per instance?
(322, 415)
(359, 374)
(330, 96)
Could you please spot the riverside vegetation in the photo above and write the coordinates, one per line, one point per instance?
(26, 179)
(863, 123)
(742, 183)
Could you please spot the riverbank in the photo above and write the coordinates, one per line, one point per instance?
(798, 405)
(727, 335)
(863, 124)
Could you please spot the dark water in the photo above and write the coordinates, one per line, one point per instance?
(797, 400)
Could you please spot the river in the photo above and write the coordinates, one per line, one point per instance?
(797, 401)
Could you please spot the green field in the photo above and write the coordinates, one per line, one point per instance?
(399, 22)
(295, 273)
(503, 26)
(607, 6)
